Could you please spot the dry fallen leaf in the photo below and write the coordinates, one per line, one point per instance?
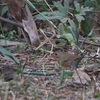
(83, 75)
(20, 11)
(30, 28)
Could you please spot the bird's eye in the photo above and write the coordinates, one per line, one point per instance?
(56, 54)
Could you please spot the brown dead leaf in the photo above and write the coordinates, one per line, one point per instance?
(11, 96)
(83, 75)
(30, 28)
(20, 11)
(23, 78)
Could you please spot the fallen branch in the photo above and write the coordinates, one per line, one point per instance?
(11, 22)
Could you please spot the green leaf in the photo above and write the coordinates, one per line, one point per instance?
(61, 29)
(7, 53)
(60, 7)
(91, 32)
(4, 10)
(29, 3)
(98, 95)
(62, 76)
(74, 35)
(72, 24)
(77, 6)
(84, 10)
(64, 34)
(64, 19)
(79, 17)
(69, 37)
(70, 73)
(50, 15)
(60, 14)
(86, 25)
(66, 6)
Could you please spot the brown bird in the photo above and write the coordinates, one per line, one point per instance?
(67, 60)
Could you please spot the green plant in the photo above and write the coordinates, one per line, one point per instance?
(4, 10)
(31, 5)
(9, 55)
(11, 34)
(73, 16)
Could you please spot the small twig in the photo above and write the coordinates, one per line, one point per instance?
(48, 5)
(74, 64)
(3, 4)
(46, 38)
(13, 95)
(45, 41)
(52, 45)
(88, 43)
(11, 22)
(43, 57)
